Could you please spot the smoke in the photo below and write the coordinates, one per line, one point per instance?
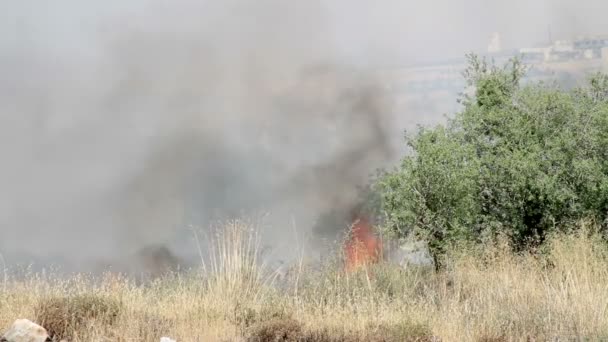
(179, 115)
(124, 122)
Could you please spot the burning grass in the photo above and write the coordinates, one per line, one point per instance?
(362, 248)
(485, 294)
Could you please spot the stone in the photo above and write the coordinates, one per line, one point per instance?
(166, 339)
(24, 330)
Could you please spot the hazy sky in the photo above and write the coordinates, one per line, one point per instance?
(419, 30)
(387, 31)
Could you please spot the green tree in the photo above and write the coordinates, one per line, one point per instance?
(517, 160)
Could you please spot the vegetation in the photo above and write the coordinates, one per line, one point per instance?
(483, 294)
(521, 166)
(68, 316)
(518, 160)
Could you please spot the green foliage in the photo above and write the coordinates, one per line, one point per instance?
(517, 160)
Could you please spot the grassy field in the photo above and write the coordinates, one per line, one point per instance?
(486, 294)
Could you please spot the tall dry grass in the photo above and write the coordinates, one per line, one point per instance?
(484, 294)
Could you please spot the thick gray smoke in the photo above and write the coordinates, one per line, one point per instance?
(123, 122)
(178, 115)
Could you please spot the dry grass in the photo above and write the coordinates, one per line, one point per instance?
(485, 294)
(74, 316)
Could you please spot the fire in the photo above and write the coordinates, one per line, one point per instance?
(363, 247)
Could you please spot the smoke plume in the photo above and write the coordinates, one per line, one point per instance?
(176, 116)
(122, 123)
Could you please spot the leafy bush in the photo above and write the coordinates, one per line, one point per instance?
(517, 160)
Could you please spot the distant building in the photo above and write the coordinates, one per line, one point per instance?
(591, 46)
(563, 50)
(534, 55)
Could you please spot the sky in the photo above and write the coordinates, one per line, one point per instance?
(395, 31)
(123, 122)
(418, 31)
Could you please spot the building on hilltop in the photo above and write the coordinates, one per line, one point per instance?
(591, 46)
(582, 48)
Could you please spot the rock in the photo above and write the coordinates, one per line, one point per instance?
(24, 330)
(166, 339)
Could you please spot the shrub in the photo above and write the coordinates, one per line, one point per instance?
(66, 317)
(517, 160)
(289, 330)
(276, 330)
(402, 332)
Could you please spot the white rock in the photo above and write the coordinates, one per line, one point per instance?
(166, 339)
(24, 330)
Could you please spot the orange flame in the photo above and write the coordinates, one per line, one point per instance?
(363, 247)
